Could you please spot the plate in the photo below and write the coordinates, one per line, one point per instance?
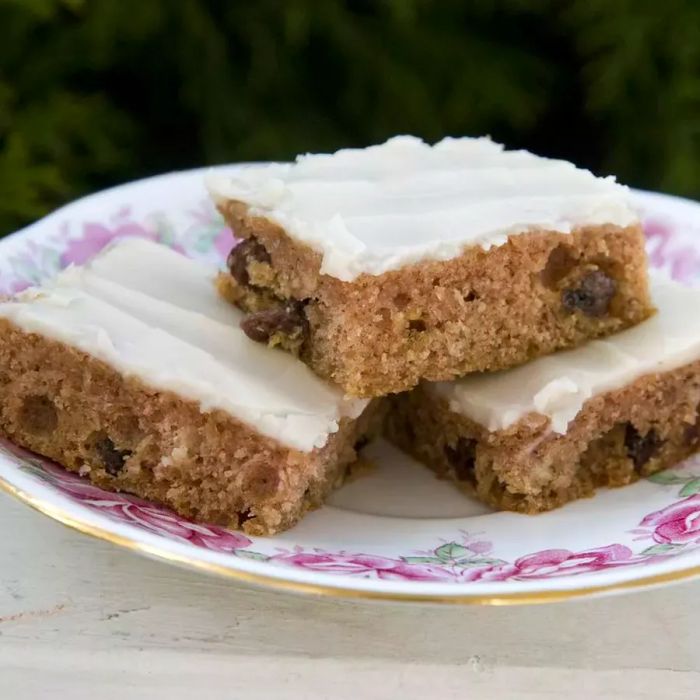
(396, 533)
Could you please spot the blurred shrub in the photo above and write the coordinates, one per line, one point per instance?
(97, 92)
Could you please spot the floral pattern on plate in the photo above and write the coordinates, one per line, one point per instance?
(462, 560)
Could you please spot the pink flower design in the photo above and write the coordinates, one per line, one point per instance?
(561, 562)
(676, 524)
(163, 522)
(550, 563)
(17, 287)
(450, 562)
(544, 564)
(224, 242)
(363, 564)
(96, 236)
(495, 572)
(145, 515)
(479, 547)
(682, 262)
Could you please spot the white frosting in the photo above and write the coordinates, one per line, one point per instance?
(558, 385)
(154, 314)
(377, 209)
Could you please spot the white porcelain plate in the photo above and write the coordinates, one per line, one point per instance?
(396, 533)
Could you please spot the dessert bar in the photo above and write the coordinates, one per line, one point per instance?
(133, 372)
(534, 437)
(383, 266)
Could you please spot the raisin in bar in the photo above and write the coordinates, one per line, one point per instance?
(405, 261)
(133, 372)
(534, 437)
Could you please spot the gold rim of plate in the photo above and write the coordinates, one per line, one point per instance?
(272, 582)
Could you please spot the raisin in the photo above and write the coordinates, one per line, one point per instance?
(244, 516)
(288, 320)
(112, 458)
(416, 325)
(641, 448)
(242, 255)
(462, 458)
(592, 296)
(691, 434)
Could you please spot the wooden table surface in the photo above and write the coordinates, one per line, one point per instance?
(80, 618)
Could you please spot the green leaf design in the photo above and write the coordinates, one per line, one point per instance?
(165, 231)
(666, 478)
(245, 554)
(473, 562)
(693, 486)
(205, 240)
(51, 259)
(452, 551)
(422, 560)
(200, 245)
(33, 467)
(659, 549)
(24, 270)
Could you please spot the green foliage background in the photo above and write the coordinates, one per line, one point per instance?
(97, 92)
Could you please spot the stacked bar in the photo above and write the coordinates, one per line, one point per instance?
(402, 262)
